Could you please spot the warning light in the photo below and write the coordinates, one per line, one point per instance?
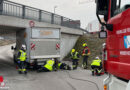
(105, 87)
(25, 35)
(1, 79)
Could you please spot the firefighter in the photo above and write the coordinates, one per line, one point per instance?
(75, 58)
(21, 60)
(96, 66)
(85, 54)
(63, 66)
(48, 66)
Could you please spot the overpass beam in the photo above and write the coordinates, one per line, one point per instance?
(40, 15)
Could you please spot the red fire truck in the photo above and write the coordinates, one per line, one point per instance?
(117, 50)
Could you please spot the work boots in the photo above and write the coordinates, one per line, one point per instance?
(25, 72)
(20, 72)
(68, 67)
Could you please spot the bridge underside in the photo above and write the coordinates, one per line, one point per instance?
(9, 29)
(8, 34)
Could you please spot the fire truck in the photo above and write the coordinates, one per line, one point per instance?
(116, 30)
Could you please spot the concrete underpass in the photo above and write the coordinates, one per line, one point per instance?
(60, 80)
(12, 22)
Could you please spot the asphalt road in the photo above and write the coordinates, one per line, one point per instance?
(60, 80)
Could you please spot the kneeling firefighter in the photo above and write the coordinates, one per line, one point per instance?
(21, 60)
(96, 66)
(63, 66)
(48, 66)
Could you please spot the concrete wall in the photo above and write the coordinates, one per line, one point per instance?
(67, 43)
(69, 36)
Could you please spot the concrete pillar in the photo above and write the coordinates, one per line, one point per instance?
(52, 18)
(1, 6)
(40, 15)
(23, 11)
(61, 20)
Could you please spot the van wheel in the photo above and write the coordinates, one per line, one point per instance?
(35, 67)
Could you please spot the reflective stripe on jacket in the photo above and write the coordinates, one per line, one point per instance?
(74, 55)
(49, 65)
(96, 62)
(59, 64)
(22, 56)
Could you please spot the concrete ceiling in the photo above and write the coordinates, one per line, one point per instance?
(9, 29)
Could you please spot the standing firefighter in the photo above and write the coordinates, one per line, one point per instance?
(85, 54)
(75, 58)
(21, 60)
(96, 66)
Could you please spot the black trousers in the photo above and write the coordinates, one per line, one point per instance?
(85, 61)
(75, 63)
(22, 66)
(96, 68)
(43, 69)
(63, 66)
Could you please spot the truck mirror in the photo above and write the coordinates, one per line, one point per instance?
(12, 47)
(127, 6)
(102, 7)
(102, 34)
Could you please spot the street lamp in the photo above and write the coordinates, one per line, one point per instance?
(85, 1)
(55, 9)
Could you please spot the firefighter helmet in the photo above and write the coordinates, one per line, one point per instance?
(84, 44)
(97, 57)
(103, 44)
(73, 50)
(23, 47)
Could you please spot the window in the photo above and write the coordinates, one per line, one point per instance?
(121, 5)
(125, 3)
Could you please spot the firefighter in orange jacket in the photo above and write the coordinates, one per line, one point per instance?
(85, 54)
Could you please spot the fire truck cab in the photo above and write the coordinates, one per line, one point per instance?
(116, 14)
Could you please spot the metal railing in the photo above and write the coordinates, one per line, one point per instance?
(18, 10)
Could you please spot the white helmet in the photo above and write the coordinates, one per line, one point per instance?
(97, 57)
(103, 44)
(52, 59)
(23, 47)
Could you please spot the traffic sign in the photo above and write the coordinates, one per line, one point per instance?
(31, 23)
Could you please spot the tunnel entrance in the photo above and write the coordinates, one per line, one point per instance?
(8, 38)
